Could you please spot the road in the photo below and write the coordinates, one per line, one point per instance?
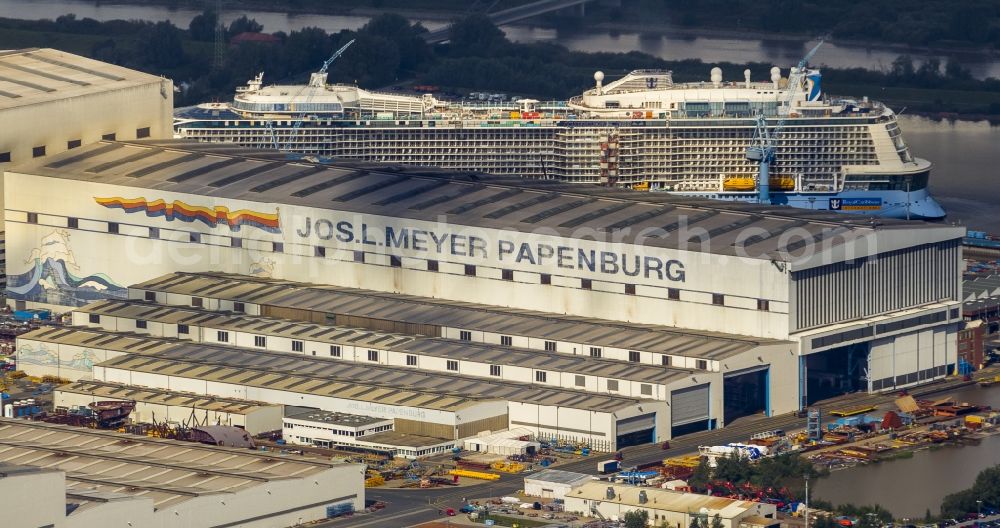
(414, 506)
(509, 16)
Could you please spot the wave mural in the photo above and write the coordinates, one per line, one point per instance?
(183, 212)
(51, 279)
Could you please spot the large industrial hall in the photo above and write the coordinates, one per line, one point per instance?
(463, 301)
(56, 475)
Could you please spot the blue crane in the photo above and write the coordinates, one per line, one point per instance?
(762, 149)
(317, 80)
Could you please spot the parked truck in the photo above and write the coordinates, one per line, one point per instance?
(607, 466)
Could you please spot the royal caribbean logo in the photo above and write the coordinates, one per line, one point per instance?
(855, 204)
(180, 211)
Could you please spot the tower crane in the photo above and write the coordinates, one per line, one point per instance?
(762, 148)
(316, 80)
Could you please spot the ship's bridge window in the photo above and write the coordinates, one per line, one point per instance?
(612, 104)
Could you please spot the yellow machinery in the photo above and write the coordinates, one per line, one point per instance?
(853, 411)
(481, 475)
(641, 186)
(689, 461)
(507, 467)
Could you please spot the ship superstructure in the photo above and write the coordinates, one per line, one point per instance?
(642, 130)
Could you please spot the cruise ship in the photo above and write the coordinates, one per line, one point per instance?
(642, 131)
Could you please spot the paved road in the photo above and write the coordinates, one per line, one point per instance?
(509, 16)
(408, 506)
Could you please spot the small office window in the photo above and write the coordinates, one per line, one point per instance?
(141, 133)
(297, 346)
(646, 389)
(718, 299)
(319, 251)
(236, 242)
(506, 341)
(540, 376)
(763, 305)
(112, 228)
(550, 346)
(4, 157)
(396, 262)
(630, 289)
(154, 233)
(452, 365)
(334, 350)
(470, 270)
(95, 318)
(151, 296)
(633, 356)
(665, 360)
(73, 143)
(73, 223)
(673, 294)
(581, 381)
(277, 247)
(411, 360)
(612, 385)
(465, 335)
(38, 152)
(546, 278)
(194, 238)
(109, 137)
(259, 341)
(223, 336)
(507, 275)
(139, 323)
(595, 352)
(701, 364)
(432, 265)
(359, 256)
(32, 218)
(182, 329)
(197, 302)
(239, 307)
(494, 370)
(586, 284)
(373, 355)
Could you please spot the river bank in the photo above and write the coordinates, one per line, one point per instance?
(443, 11)
(910, 485)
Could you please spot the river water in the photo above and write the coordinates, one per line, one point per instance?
(908, 487)
(964, 180)
(672, 46)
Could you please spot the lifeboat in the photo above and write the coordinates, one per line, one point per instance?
(739, 183)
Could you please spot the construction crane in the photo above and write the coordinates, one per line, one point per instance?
(317, 80)
(762, 149)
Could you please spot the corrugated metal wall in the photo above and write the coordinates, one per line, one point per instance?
(873, 285)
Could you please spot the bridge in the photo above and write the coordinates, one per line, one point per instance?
(509, 16)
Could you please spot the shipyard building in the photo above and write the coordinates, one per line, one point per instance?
(574, 292)
(52, 101)
(71, 477)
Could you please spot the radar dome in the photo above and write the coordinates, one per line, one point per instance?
(599, 76)
(716, 75)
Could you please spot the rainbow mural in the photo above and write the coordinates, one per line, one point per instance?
(178, 210)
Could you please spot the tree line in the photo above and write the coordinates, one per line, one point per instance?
(390, 49)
